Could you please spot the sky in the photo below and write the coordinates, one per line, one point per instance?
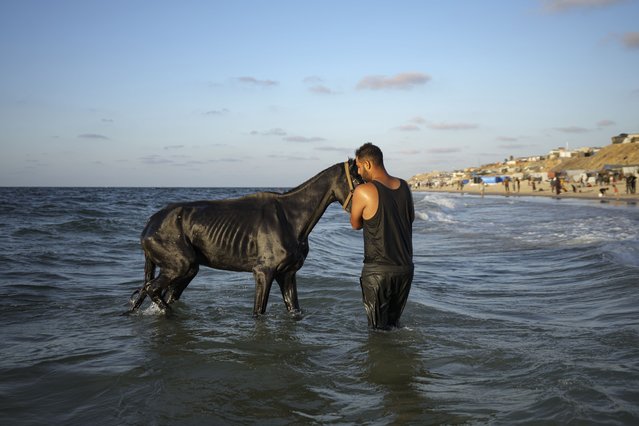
(269, 93)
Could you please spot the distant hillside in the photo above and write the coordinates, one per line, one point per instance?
(622, 154)
(614, 155)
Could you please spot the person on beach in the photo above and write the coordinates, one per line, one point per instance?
(383, 207)
(630, 184)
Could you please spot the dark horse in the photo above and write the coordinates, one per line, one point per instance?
(265, 233)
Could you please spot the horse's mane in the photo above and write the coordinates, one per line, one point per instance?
(303, 185)
(308, 181)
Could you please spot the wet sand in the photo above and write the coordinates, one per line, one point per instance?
(543, 190)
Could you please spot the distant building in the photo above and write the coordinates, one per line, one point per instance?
(566, 153)
(625, 138)
(557, 153)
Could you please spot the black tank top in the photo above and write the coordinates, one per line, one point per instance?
(388, 235)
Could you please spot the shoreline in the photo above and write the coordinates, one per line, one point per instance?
(591, 193)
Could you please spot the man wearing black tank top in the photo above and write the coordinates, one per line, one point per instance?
(383, 207)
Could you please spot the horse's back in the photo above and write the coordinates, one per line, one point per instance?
(225, 234)
(205, 210)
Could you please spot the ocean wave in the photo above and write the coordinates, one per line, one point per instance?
(98, 226)
(624, 253)
(31, 232)
(434, 216)
(584, 231)
(439, 200)
(436, 208)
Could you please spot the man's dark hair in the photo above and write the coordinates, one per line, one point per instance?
(370, 152)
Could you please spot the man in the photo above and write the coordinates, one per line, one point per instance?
(383, 206)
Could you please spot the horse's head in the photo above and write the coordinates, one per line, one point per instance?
(344, 192)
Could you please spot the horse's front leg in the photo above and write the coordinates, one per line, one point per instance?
(288, 287)
(263, 281)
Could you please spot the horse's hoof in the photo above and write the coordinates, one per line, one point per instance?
(296, 314)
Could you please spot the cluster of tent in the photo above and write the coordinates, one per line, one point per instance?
(589, 176)
(489, 180)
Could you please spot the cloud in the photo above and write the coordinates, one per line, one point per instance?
(107, 120)
(255, 82)
(404, 81)
(347, 151)
(317, 86)
(93, 136)
(631, 40)
(273, 132)
(167, 147)
(507, 139)
(410, 152)
(408, 128)
(572, 129)
(292, 157)
(452, 126)
(417, 120)
(444, 150)
(513, 146)
(605, 123)
(321, 90)
(184, 161)
(558, 6)
(216, 112)
(313, 79)
(155, 159)
(303, 139)
(224, 160)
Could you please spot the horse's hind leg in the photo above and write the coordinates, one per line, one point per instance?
(156, 287)
(179, 284)
(176, 266)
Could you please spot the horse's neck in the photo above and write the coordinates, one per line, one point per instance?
(305, 205)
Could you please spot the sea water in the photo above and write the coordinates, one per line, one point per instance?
(522, 310)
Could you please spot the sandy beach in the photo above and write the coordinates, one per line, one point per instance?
(541, 190)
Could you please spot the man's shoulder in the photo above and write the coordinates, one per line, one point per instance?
(366, 190)
(366, 187)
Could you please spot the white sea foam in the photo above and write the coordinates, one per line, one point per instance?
(442, 201)
(435, 208)
(153, 309)
(434, 216)
(422, 215)
(579, 231)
